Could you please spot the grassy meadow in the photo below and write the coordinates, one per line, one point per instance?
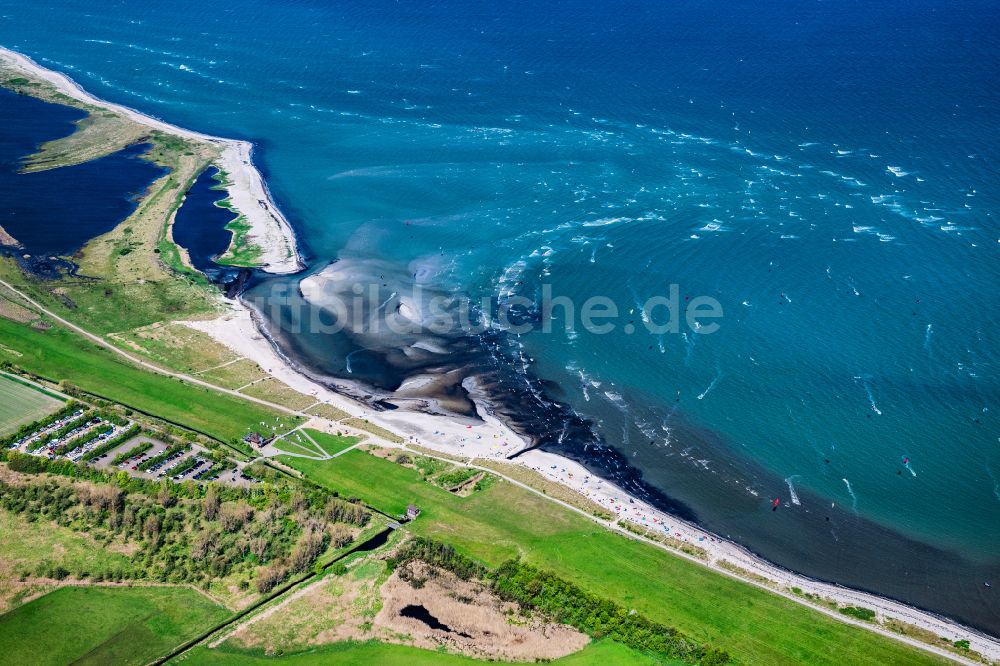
(331, 444)
(104, 625)
(602, 653)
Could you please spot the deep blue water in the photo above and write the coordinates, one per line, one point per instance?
(56, 212)
(200, 225)
(826, 171)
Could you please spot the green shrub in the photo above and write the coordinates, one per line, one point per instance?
(136, 450)
(111, 444)
(859, 612)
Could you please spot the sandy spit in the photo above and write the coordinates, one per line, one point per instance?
(247, 190)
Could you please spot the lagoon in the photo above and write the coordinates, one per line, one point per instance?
(56, 212)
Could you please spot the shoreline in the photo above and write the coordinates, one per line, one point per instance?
(247, 191)
(240, 330)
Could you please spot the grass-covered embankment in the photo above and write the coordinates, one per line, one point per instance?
(504, 521)
(602, 653)
(58, 355)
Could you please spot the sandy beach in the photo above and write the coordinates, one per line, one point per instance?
(270, 231)
(487, 438)
(238, 331)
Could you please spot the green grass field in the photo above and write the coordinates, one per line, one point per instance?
(24, 545)
(505, 521)
(21, 404)
(289, 445)
(332, 444)
(603, 653)
(104, 625)
(59, 354)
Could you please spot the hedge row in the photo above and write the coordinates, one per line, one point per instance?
(111, 444)
(136, 450)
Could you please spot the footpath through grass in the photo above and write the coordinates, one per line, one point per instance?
(104, 625)
(505, 521)
(60, 354)
(20, 404)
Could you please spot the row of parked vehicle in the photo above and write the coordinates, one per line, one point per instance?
(49, 448)
(25, 442)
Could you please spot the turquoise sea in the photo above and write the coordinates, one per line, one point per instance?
(827, 172)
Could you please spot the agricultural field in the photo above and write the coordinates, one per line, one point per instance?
(21, 404)
(504, 521)
(104, 625)
(15, 311)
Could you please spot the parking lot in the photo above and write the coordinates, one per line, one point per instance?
(157, 461)
(77, 435)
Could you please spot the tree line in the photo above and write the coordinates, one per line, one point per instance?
(180, 533)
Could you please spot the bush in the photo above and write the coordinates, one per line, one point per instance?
(157, 459)
(310, 546)
(455, 477)
(564, 602)
(269, 577)
(136, 450)
(338, 511)
(83, 441)
(859, 612)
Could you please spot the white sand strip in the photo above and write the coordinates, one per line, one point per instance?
(455, 436)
